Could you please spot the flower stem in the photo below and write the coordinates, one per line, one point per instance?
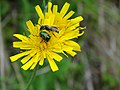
(31, 78)
(44, 5)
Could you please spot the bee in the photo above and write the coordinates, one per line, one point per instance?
(44, 34)
(52, 28)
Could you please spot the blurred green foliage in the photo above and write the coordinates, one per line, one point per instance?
(98, 63)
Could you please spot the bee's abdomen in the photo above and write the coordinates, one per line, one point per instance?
(45, 35)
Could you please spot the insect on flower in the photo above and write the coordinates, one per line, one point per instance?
(52, 28)
(44, 34)
(52, 36)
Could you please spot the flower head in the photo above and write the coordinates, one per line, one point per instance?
(52, 35)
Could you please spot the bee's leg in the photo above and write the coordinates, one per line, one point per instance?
(53, 34)
(45, 41)
(41, 40)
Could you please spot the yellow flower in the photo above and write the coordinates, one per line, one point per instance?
(36, 48)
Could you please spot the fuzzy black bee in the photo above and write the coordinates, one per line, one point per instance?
(44, 34)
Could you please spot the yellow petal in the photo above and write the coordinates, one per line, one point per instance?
(21, 37)
(39, 12)
(33, 65)
(57, 50)
(17, 56)
(73, 44)
(68, 49)
(56, 56)
(55, 9)
(37, 30)
(31, 62)
(71, 53)
(25, 59)
(81, 33)
(52, 17)
(70, 35)
(64, 9)
(49, 7)
(46, 22)
(30, 26)
(28, 64)
(73, 27)
(22, 45)
(41, 61)
(43, 56)
(37, 57)
(75, 21)
(57, 47)
(40, 21)
(69, 15)
(62, 32)
(65, 54)
(53, 65)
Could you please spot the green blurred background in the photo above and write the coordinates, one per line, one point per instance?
(97, 67)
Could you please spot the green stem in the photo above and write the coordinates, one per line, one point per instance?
(50, 0)
(44, 5)
(31, 78)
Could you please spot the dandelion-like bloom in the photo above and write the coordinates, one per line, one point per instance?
(36, 48)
